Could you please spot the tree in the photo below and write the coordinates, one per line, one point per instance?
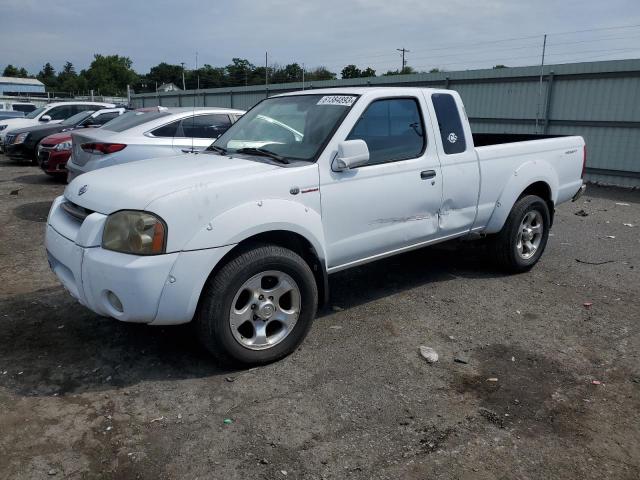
(10, 71)
(405, 71)
(320, 73)
(164, 73)
(351, 71)
(368, 72)
(241, 72)
(68, 80)
(110, 74)
(434, 70)
(496, 67)
(48, 76)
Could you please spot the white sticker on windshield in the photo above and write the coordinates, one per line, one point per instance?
(344, 100)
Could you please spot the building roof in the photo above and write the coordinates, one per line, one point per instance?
(21, 81)
(168, 87)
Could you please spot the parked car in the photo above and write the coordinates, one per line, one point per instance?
(242, 239)
(22, 143)
(157, 133)
(51, 113)
(54, 151)
(15, 109)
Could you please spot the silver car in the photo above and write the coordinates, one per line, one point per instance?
(138, 135)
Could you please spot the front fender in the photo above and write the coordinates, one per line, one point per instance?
(526, 174)
(252, 218)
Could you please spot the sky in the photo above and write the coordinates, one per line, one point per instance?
(445, 34)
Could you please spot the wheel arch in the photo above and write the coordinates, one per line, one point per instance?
(532, 178)
(293, 241)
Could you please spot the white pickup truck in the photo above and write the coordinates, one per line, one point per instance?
(241, 239)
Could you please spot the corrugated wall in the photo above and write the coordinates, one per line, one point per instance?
(598, 100)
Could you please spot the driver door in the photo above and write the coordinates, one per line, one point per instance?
(393, 201)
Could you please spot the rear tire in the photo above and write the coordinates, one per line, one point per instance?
(258, 307)
(523, 238)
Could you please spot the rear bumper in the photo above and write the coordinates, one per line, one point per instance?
(580, 192)
(73, 170)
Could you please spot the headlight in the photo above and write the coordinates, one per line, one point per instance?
(131, 231)
(21, 137)
(64, 146)
(2, 127)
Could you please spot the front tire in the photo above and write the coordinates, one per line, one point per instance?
(258, 307)
(523, 238)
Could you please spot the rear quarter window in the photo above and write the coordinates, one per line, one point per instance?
(449, 123)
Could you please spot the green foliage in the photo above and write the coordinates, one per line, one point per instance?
(351, 71)
(110, 74)
(11, 71)
(405, 71)
(496, 67)
(48, 75)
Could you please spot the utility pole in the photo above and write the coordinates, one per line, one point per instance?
(266, 74)
(303, 76)
(404, 64)
(183, 84)
(544, 47)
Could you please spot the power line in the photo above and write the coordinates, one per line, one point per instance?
(335, 61)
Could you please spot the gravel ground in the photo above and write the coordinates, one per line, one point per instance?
(87, 397)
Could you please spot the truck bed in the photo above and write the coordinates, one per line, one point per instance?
(486, 139)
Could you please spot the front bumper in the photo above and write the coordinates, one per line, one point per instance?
(18, 151)
(53, 161)
(159, 289)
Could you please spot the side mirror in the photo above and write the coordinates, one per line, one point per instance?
(45, 118)
(351, 154)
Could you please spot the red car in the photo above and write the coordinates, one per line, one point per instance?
(53, 153)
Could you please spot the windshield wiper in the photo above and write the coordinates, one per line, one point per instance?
(216, 148)
(263, 152)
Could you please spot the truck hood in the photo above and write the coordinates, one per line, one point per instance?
(135, 185)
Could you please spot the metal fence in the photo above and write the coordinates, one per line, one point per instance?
(598, 100)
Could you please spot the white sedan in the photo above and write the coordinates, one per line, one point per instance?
(138, 135)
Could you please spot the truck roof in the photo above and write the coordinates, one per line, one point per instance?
(362, 90)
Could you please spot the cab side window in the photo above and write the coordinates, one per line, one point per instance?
(392, 129)
(449, 122)
(205, 126)
(62, 112)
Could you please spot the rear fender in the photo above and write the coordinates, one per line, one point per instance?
(526, 174)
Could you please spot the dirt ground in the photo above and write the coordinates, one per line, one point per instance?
(88, 397)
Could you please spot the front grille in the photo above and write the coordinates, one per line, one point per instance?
(8, 140)
(76, 211)
(48, 145)
(43, 155)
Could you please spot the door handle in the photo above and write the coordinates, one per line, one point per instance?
(427, 174)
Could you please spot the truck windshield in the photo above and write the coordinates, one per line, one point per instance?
(294, 127)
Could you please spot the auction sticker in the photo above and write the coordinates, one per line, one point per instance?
(344, 100)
